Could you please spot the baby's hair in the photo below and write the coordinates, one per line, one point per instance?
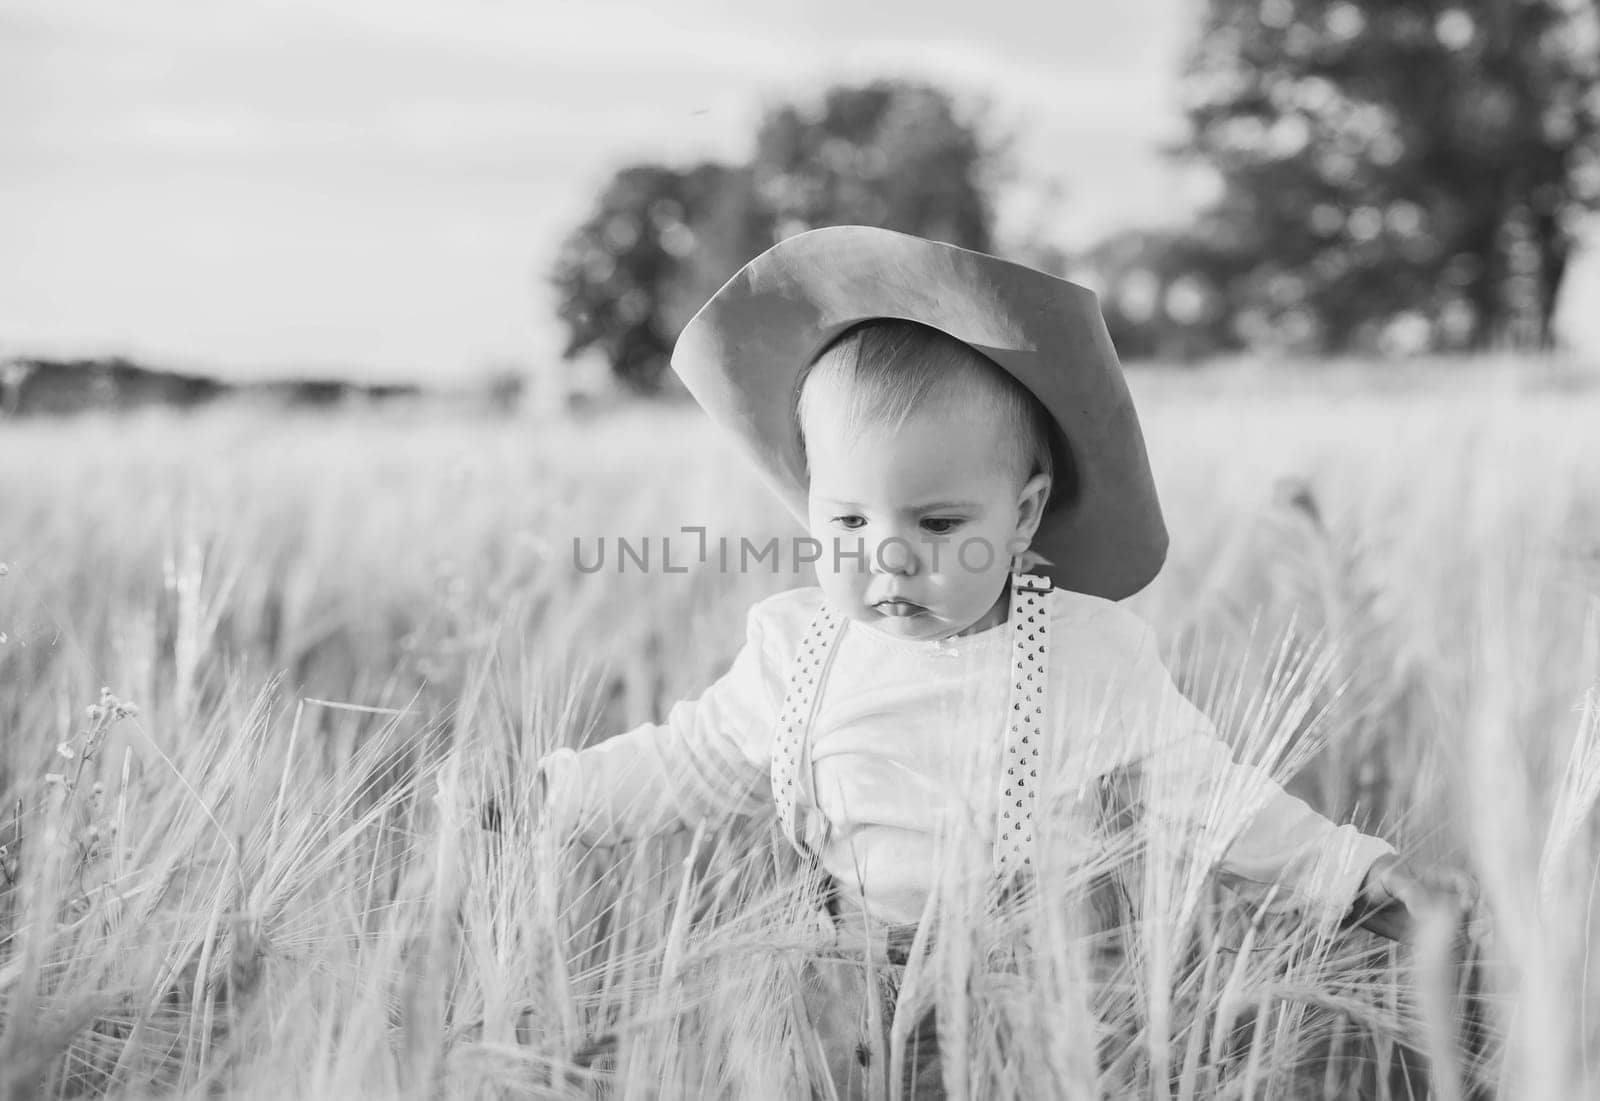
(889, 368)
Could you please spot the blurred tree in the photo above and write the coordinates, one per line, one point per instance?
(661, 240)
(1403, 171)
(891, 153)
(657, 237)
(1162, 293)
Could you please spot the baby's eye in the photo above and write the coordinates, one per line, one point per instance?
(941, 525)
(849, 523)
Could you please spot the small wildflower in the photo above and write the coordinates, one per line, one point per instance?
(127, 711)
(4, 569)
(3, 638)
(94, 833)
(98, 789)
(54, 778)
(95, 712)
(67, 751)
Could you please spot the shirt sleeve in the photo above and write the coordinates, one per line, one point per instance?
(710, 759)
(1266, 844)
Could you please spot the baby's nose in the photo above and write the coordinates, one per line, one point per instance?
(894, 555)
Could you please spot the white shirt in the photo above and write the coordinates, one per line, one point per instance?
(906, 740)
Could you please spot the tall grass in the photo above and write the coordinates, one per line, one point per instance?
(346, 636)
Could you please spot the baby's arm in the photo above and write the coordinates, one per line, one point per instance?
(707, 761)
(1261, 838)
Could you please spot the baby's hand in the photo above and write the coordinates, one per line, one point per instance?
(1396, 895)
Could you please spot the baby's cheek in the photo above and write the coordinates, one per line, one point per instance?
(842, 589)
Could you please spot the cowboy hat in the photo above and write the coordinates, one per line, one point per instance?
(741, 354)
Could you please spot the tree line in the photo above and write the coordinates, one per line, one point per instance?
(1389, 173)
(32, 386)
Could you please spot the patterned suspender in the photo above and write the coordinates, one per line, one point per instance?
(791, 768)
(1025, 716)
(792, 739)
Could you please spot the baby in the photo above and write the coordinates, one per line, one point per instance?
(955, 433)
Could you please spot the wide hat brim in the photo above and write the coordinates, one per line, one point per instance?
(741, 355)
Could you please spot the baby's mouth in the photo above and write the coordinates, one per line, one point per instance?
(897, 607)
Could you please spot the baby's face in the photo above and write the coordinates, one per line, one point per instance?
(934, 517)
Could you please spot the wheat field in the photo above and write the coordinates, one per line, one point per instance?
(262, 673)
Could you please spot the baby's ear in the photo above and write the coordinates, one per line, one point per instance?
(1031, 501)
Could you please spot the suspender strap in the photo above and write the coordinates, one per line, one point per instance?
(1025, 716)
(1026, 710)
(792, 739)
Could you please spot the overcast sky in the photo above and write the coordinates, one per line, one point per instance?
(378, 186)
